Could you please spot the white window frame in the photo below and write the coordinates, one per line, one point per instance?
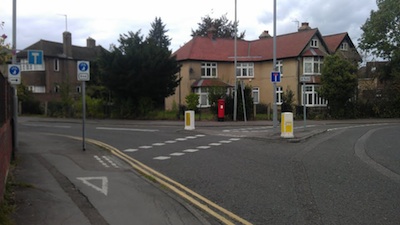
(314, 43)
(37, 89)
(203, 97)
(245, 70)
(209, 69)
(314, 64)
(344, 46)
(279, 93)
(310, 96)
(56, 64)
(25, 66)
(279, 66)
(256, 95)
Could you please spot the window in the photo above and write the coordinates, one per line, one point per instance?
(279, 92)
(25, 66)
(344, 46)
(56, 88)
(203, 97)
(78, 89)
(314, 43)
(279, 66)
(56, 65)
(312, 65)
(256, 95)
(310, 96)
(37, 89)
(208, 69)
(245, 70)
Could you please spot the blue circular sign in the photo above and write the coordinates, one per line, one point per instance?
(14, 70)
(83, 66)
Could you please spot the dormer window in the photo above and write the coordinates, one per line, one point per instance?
(344, 46)
(314, 43)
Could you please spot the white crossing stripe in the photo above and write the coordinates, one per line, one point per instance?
(177, 154)
(161, 157)
(191, 150)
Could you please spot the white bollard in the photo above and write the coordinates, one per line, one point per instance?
(189, 120)
(287, 125)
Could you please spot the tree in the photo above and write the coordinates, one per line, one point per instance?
(381, 36)
(158, 34)
(338, 84)
(139, 73)
(5, 49)
(223, 27)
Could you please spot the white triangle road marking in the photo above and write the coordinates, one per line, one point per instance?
(104, 183)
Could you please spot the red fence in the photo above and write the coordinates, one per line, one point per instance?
(6, 131)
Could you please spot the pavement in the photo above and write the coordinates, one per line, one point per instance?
(51, 192)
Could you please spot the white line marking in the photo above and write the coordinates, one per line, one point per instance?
(191, 137)
(181, 139)
(131, 150)
(214, 144)
(204, 147)
(161, 157)
(126, 129)
(170, 142)
(200, 135)
(104, 183)
(110, 161)
(145, 147)
(191, 150)
(159, 144)
(234, 139)
(177, 154)
(225, 142)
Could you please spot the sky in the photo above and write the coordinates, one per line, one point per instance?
(105, 21)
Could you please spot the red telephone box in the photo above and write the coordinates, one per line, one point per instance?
(221, 109)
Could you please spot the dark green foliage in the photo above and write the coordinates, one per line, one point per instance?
(287, 101)
(192, 101)
(223, 27)
(338, 84)
(157, 34)
(138, 69)
(214, 94)
(229, 104)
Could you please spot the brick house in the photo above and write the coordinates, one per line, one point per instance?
(208, 61)
(59, 67)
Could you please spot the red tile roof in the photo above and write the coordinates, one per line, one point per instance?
(210, 82)
(219, 49)
(333, 41)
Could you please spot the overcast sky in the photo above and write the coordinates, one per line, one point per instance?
(104, 21)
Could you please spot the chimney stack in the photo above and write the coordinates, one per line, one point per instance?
(67, 44)
(304, 26)
(211, 32)
(90, 42)
(264, 34)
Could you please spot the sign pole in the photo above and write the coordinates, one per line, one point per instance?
(304, 105)
(275, 110)
(83, 114)
(83, 74)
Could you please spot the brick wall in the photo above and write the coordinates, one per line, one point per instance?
(6, 131)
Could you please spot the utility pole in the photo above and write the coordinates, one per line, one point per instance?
(275, 110)
(14, 61)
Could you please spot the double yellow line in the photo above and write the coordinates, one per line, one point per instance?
(223, 215)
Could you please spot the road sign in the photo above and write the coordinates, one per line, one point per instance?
(305, 79)
(35, 57)
(275, 76)
(14, 74)
(83, 71)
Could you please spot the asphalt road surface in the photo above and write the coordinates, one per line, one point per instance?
(348, 174)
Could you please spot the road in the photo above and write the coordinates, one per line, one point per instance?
(346, 175)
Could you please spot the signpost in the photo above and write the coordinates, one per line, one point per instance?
(304, 80)
(83, 74)
(14, 74)
(35, 57)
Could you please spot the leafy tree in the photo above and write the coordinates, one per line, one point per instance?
(338, 83)
(5, 48)
(381, 36)
(192, 101)
(158, 34)
(138, 71)
(287, 101)
(224, 28)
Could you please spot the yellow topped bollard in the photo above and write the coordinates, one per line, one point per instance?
(287, 125)
(189, 120)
